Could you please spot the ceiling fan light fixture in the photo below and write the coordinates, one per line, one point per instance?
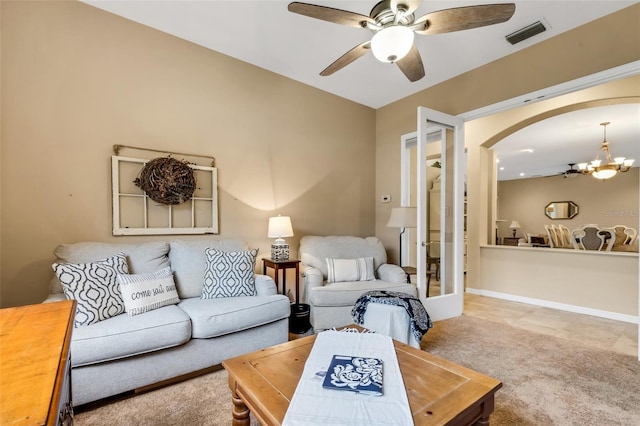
(392, 43)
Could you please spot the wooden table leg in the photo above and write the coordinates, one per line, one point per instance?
(240, 411)
(487, 409)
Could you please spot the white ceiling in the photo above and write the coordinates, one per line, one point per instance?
(546, 148)
(264, 33)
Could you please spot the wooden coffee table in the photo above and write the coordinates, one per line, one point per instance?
(440, 392)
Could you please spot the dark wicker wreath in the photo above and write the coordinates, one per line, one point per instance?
(167, 180)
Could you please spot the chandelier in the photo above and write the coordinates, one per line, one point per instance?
(607, 168)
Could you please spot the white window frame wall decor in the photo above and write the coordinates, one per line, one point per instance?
(143, 216)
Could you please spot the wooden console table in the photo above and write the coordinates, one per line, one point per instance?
(35, 368)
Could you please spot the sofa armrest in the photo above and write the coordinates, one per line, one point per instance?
(391, 273)
(55, 297)
(265, 286)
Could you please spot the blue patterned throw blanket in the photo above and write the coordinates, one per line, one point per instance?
(418, 316)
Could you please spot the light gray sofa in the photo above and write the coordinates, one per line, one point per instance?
(126, 352)
(331, 303)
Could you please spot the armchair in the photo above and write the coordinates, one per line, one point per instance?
(331, 302)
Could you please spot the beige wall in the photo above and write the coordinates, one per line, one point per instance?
(608, 203)
(484, 132)
(602, 284)
(77, 80)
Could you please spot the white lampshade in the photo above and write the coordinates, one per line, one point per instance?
(514, 224)
(403, 217)
(392, 43)
(280, 226)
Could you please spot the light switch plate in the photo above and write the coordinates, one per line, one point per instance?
(386, 198)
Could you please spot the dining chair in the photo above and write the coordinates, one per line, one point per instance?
(433, 257)
(553, 236)
(592, 237)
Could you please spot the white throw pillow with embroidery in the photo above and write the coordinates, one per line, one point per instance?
(348, 270)
(146, 292)
(94, 286)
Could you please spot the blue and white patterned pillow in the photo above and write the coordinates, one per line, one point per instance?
(229, 274)
(94, 286)
(146, 292)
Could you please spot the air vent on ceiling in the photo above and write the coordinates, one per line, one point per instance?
(526, 32)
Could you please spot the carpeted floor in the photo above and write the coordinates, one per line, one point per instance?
(546, 381)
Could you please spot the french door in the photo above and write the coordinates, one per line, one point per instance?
(438, 141)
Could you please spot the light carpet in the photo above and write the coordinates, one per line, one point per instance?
(546, 381)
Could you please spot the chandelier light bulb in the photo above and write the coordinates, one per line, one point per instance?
(604, 173)
(392, 43)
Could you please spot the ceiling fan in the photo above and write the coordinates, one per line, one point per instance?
(570, 172)
(394, 24)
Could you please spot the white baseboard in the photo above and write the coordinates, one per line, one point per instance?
(555, 305)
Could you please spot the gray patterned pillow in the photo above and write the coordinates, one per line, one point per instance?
(229, 274)
(94, 286)
(146, 292)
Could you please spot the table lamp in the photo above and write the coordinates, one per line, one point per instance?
(514, 226)
(280, 226)
(403, 217)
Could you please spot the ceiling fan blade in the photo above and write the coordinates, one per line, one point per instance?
(465, 18)
(338, 16)
(347, 58)
(409, 6)
(411, 65)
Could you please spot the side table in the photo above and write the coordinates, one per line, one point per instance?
(35, 341)
(283, 265)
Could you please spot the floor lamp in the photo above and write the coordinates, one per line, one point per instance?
(403, 218)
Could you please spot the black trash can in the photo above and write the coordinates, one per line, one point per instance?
(299, 318)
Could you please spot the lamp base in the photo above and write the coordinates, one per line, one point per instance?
(280, 251)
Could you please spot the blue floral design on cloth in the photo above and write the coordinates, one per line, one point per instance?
(358, 374)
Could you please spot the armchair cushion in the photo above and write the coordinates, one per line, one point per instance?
(340, 270)
(347, 293)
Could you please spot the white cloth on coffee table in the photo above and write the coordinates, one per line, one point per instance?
(390, 320)
(313, 405)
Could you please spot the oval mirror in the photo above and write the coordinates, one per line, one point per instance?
(561, 210)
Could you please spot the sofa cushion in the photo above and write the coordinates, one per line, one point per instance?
(229, 274)
(146, 292)
(124, 336)
(188, 262)
(141, 258)
(94, 286)
(360, 269)
(346, 293)
(217, 317)
(314, 250)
